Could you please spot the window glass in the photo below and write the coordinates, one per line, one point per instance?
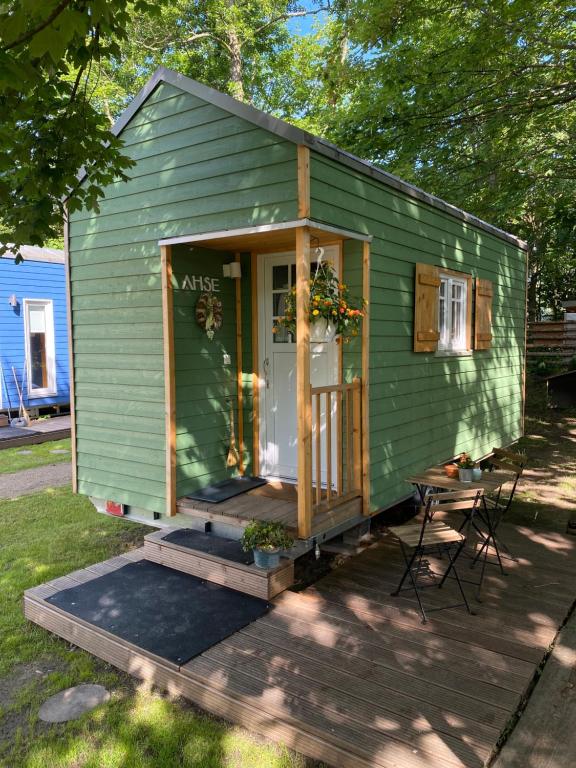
(280, 277)
(283, 278)
(38, 365)
(452, 306)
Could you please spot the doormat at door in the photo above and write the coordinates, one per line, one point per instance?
(227, 489)
(228, 549)
(166, 612)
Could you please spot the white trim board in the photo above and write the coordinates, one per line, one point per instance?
(51, 389)
(262, 229)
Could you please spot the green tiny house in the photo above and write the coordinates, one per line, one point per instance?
(437, 369)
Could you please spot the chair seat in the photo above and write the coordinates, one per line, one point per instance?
(435, 533)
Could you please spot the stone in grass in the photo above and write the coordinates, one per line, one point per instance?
(59, 450)
(24, 453)
(73, 703)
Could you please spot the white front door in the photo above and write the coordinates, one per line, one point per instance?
(278, 422)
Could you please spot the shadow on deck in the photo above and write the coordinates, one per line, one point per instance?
(347, 674)
(275, 501)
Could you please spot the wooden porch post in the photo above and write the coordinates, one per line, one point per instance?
(303, 395)
(366, 381)
(70, 353)
(239, 371)
(255, 366)
(169, 378)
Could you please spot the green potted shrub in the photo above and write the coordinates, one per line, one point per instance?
(465, 468)
(266, 540)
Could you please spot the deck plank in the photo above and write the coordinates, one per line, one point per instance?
(348, 675)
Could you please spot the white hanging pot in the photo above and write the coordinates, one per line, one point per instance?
(322, 331)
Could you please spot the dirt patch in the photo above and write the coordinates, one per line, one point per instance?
(23, 678)
(546, 495)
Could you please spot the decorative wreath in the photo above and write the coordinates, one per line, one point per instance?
(209, 313)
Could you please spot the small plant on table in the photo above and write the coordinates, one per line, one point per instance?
(267, 540)
(465, 468)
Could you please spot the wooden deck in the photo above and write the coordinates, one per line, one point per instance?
(39, 431)
(279, 504)
(346, 674)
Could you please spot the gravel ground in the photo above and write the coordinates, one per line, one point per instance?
(31, 480)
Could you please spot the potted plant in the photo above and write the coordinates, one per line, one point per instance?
(465, 468)
(332, 311)
(451, 470)
(267, 540)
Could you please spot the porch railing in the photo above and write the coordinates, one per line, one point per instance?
(337, 444)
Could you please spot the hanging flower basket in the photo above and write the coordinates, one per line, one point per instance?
(332, 311)
(209, 314)
(322, 331)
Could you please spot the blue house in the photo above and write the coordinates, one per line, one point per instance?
(33, 331)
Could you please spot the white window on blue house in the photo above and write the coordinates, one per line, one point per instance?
(452, 314)
(40, 347)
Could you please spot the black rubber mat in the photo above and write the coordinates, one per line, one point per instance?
(227, 489)
(7, 433)
(211, 545)
(166, 612)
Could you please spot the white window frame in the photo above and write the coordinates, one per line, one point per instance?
(48, 306)
(447, 346)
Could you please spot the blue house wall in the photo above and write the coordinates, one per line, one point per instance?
(31, 279)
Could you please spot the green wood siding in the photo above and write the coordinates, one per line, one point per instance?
(197, 169)
(425, 408)
(203, 380)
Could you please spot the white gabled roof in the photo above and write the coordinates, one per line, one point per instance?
(35, 253)
(299, 136)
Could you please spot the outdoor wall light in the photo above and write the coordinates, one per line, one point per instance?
(232, 270)
(12, 300)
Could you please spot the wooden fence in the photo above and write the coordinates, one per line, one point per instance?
(552, 339)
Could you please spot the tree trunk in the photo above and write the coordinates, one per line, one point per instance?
(236, 82)
(533, 308)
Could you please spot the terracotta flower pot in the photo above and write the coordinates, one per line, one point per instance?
(451, 470)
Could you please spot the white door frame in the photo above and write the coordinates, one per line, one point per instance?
(334, 254)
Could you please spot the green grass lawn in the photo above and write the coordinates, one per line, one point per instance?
(49, 534)
(13, 460)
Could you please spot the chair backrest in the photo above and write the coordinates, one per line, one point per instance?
(509, 462)
(449, 501)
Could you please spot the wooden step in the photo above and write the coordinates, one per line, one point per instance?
(259, 582)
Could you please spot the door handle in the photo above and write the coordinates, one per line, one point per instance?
(266, 369)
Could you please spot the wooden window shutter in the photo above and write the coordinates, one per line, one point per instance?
(483, 316)
(426, 289)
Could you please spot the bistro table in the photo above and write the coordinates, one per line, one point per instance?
(491, 482)
(435, 477)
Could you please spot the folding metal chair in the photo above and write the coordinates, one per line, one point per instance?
(434, 537)
(497, 506)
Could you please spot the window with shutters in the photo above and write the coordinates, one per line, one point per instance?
(453, 314)
(39, 345)
(443, 318)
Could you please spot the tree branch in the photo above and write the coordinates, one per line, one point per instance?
(292, 15)
(27, 35)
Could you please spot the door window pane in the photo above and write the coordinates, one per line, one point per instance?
(37, 320)
(38, 366)
(280, 277)
(278, 304)
(281, 334)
